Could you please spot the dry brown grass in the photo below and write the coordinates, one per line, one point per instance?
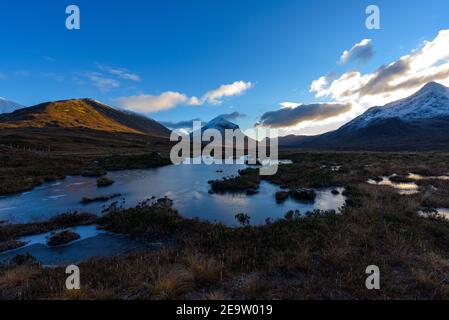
(173, 282)
(204, 269)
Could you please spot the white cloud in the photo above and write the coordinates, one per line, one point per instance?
(151, 103)
(322, 83)
(227, 90)
(360, 52)
(120, 73)
(101, 82)
(289, 105)
(21, 73)
(170, 99)
(54, 76)
(393, 81)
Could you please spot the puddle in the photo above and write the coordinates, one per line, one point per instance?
(85, 232)
(403, 188)
(331, 168)
(440, 212)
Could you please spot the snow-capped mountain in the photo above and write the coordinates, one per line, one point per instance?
(220, 124)
(7, 106)
(419, 122)
(432, 101)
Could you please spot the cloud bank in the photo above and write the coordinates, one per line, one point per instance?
(292, 116)
(392, 81)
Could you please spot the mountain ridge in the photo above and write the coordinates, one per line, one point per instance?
(82, 114)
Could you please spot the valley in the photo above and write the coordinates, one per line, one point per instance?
(158, 231)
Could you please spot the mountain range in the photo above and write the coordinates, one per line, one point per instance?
(418, 122)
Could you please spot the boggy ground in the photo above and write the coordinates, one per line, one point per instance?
(321, 255)
(31, 157)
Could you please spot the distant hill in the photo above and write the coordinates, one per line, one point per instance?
(7, 106)
(419, 122)
(82, 114)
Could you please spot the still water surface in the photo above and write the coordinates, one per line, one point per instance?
(187, 185)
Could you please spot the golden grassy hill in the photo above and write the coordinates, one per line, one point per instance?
(82, 114)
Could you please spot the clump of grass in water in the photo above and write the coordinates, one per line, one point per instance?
(104, 182)
(243, 218)
(86, 200)
(61, 238)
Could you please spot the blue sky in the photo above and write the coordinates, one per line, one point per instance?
(131, 48)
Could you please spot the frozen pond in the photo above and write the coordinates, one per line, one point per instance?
(92, 243)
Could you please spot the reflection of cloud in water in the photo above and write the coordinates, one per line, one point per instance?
(418, 177)
(327, 201)
(198, 195)
(57, 197)
(170, 195)
(7, 208)
(231, 199)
